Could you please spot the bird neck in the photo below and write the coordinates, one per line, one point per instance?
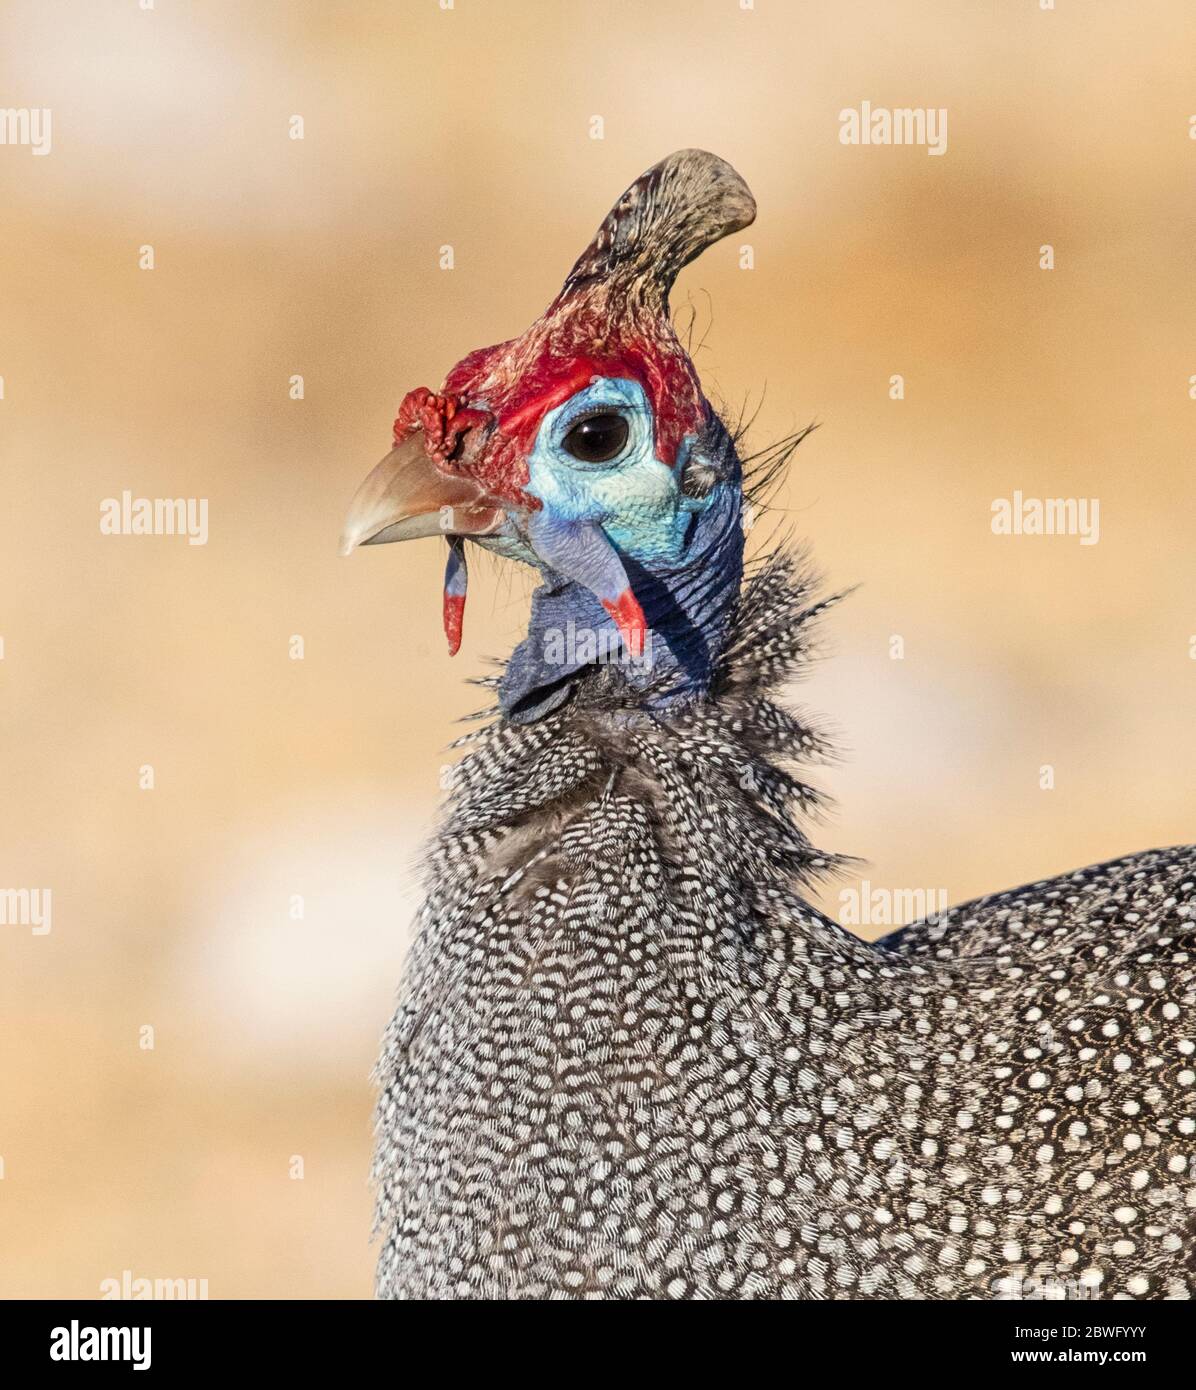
(731, 748)
(688, 602)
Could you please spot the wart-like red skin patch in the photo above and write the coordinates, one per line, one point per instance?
(518, 382)
(629, 619)
(454, 621)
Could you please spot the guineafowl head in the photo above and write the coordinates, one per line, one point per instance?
(586, 448)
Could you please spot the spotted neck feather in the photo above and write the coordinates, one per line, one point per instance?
(657, 733)
(630, 1060)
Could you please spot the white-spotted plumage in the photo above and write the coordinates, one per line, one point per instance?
(629, 1060)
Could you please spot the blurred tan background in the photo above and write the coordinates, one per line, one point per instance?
(274, 777)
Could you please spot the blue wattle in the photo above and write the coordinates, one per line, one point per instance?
(687, 603)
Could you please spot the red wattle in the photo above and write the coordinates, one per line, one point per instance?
(454, 621)
(629, 619)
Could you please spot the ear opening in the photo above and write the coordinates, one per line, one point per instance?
(712, 460)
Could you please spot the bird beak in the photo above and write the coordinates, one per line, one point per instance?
(407, 496)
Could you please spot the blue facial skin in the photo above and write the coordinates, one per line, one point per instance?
(635, 498)
(682, 555)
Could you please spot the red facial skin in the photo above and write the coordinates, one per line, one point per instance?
(443, 419)
(549, 381)
(454, 621)
(629, 619)
(511, 386)
(506, 390)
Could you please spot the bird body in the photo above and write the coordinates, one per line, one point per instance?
(629, 1058)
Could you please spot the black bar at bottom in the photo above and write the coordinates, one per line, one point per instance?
(81, 1340)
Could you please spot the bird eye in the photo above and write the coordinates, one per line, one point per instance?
(597, 438)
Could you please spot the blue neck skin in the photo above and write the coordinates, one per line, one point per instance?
(687, 604)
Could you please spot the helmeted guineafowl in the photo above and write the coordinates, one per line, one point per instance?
(629, 1059)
